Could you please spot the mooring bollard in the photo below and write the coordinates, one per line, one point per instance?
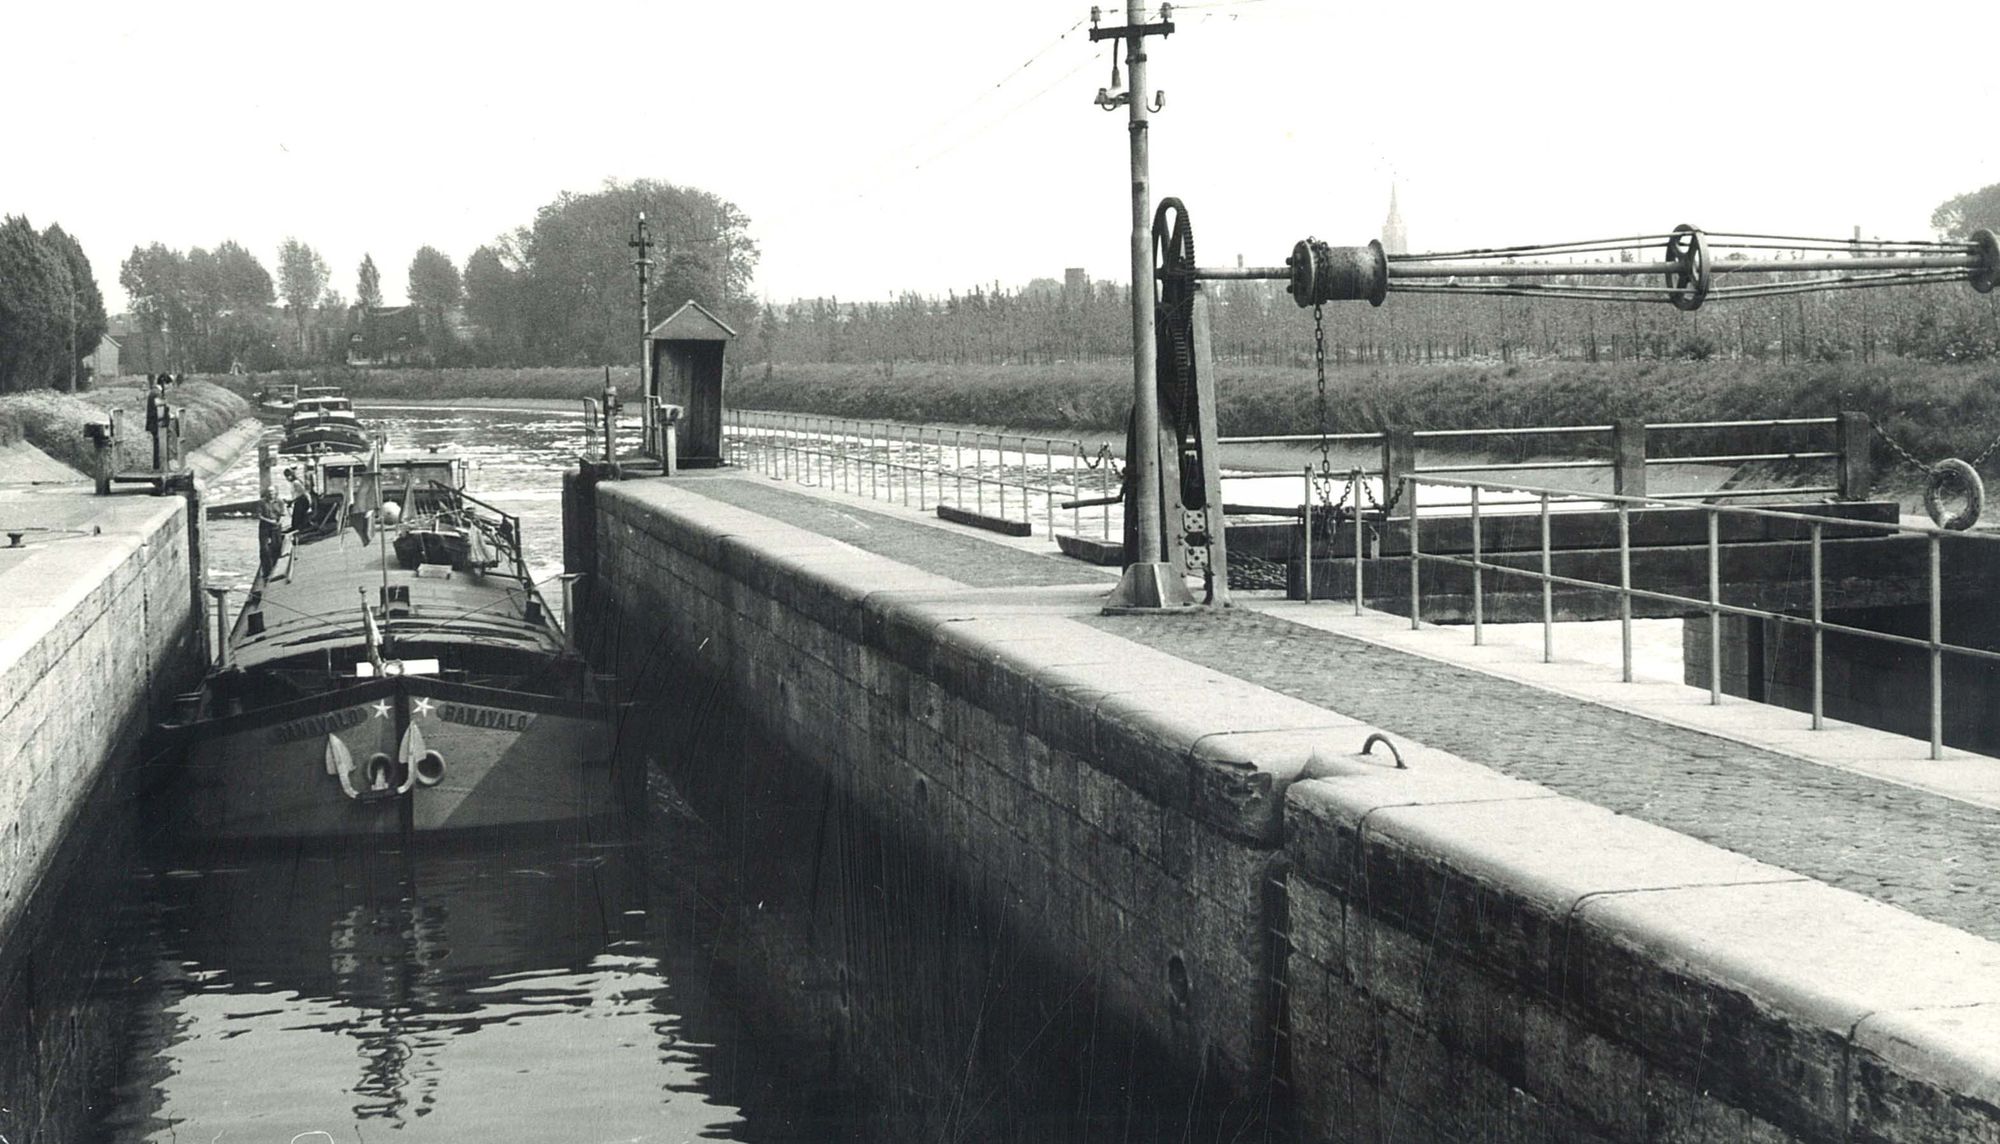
(104, 436)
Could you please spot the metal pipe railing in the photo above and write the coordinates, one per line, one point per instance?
(892, 461)
(1649, 429)
(1712, 607)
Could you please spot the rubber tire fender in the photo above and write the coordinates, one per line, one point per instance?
(1953, 472)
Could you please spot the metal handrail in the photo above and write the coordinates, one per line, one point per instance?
(1713, 606)
(1562, 431)
(883, 459)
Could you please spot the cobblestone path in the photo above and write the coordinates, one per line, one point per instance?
(1933, 856)
(963, 556)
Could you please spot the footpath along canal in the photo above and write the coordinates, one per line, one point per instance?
(661, 982)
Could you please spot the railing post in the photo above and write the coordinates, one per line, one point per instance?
(1399, 464)
(1937, 648)
(1548, 592)
(1625, 590)
(1049, 484)
(1818, 638)
(1857, 478)
(1410, 490)
(1075, 486)
(1306, 519)
(1354, 494)
(1478, 577)
(1714, 599)
(1628, 466)
(1104, 510)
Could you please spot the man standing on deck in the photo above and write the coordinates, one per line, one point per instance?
(295, 490)
(270, 528)
(156, 414)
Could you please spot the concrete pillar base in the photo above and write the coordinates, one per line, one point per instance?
(1149, 588)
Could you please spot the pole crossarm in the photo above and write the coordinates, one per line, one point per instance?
(1684, 267)
(1159, 28)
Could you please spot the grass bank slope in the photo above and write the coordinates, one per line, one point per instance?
(1934, 410)
(53, 422)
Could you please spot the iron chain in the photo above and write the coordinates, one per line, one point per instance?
(1319, 376)
(1104, 457)
(1910, 458)
(1322, 483)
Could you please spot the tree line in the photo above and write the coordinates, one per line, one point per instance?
(558, 291)
(220, 310)
(561, 290)
(1257, 323)
(51, 311)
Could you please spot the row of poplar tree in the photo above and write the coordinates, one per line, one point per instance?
(51, 311)
(558, 291)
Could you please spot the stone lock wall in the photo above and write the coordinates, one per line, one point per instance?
(1477, 958)
(1437, 952)
(1079, 772)
(95, 633)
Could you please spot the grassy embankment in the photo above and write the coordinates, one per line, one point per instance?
(1934, 410)
(53, 422)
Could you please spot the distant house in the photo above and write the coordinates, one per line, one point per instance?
(384, 335)
(140, 350)
(103, 361)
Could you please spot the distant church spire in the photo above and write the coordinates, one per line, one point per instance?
(1395, 240)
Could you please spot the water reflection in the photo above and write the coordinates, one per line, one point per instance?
(759, 959)
(508, 993)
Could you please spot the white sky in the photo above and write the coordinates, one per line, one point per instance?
(873, 152)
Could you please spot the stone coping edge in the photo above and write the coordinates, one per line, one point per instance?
(1192, 739)
(1818, 1010)
(1635, 932)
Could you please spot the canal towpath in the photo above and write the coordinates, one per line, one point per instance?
(1855, 808)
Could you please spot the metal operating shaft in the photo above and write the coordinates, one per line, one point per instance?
(1696, 267)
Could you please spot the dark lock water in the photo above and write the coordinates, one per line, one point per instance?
(750, 958)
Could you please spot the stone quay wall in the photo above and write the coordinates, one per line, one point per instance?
(99, 628)
(1437, 952)
(96, 632)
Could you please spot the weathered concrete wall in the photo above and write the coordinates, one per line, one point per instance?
(1431, 953)
(1033, 752)
(96, 631)
(1475, 957)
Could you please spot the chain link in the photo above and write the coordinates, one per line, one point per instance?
(1319, 377)
(1985, 453)
(1104, 457)
(1910, 458)
(1897, 448)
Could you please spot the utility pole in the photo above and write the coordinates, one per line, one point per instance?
(1150, 581)
(642, 242)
